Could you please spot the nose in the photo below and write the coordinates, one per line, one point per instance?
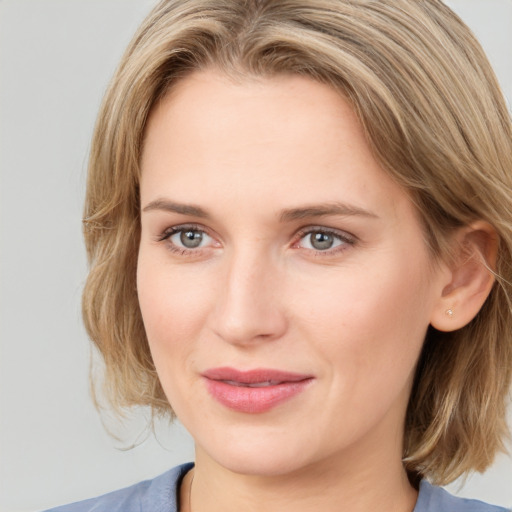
(249, 307)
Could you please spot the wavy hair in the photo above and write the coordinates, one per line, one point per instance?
(436, 120)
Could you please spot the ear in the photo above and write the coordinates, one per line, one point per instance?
(470, 278)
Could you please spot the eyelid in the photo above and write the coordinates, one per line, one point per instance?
(166, 235)
(346, 237)
(171, 230)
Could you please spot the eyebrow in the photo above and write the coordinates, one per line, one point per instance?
(171, 206)
(322, 210)
(288, 215)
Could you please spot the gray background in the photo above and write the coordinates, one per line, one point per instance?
(56, 57)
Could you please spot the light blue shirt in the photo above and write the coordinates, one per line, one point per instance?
(160, 495)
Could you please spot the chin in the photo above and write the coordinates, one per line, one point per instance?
(260, 453)
(260, 466)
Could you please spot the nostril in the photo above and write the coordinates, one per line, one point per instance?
(249, 327)
(247, 308)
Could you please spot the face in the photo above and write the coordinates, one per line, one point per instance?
(283, 278)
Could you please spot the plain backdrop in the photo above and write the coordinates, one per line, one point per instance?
(56, 57)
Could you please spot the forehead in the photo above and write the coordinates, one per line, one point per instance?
(203, 108)
(286, 134)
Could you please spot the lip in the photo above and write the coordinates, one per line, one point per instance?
(254, 391)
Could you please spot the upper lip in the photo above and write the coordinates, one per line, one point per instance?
(256, 376)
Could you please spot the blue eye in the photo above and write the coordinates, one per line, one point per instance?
(324, 240)
(187, 238)
(190, 239)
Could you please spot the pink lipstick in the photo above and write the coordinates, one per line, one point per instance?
(254, 391)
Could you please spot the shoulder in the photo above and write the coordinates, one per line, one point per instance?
(158, 494)
(436, 499)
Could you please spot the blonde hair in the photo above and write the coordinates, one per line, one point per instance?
(437, 122)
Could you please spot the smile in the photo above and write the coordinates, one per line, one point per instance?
(254, 384)
(254, 391)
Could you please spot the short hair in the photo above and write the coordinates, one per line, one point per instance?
(435, 119)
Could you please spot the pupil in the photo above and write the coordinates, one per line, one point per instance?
(191, 239)
(322, 241)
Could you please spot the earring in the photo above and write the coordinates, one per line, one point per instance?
(449, 312)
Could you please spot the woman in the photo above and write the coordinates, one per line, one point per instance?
(299, 229)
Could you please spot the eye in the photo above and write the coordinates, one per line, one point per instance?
(190, 238)
(324, 240)
(186, 238)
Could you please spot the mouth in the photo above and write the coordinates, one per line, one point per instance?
(263, 384)
(254, 391)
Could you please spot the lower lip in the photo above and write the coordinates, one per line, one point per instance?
(254, 400)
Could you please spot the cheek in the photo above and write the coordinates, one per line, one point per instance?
(172, 303)
(370, 322)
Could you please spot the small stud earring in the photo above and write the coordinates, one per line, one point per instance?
(449, 312)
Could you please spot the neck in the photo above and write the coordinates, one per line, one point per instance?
(327, 486)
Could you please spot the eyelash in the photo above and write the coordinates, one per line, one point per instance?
(347, 240)
(182, 251)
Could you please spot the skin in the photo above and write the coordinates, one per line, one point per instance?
(257, 294)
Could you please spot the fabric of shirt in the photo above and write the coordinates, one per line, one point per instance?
(161, 495)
